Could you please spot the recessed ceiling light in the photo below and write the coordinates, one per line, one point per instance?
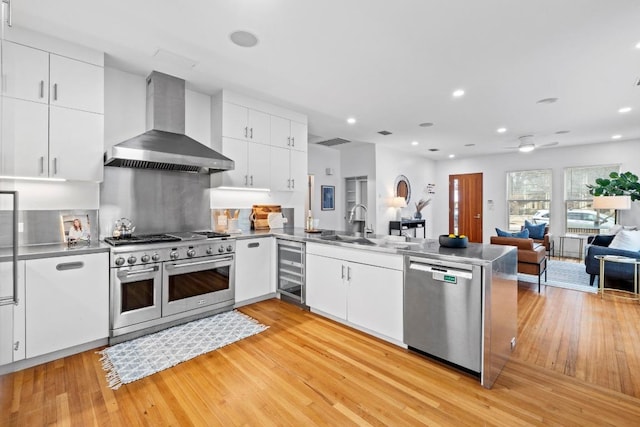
(562, 132)
(501, 130)
(638, 45)
(425, 125)
(616, 136)
(414, 143)
(458, 93)
(526, 148)
(351, 120)
(243, 38)
(451, 156)
(624, 110)
(547, 101)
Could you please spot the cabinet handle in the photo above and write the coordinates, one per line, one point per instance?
(251, 133)
(70, 266)
(9, 14)
(41, 88)
(55, 91)
(289, 141)
(293, 183)
(288, 183)
(41, 165)
(252, 180)
(253, 245)
(293, 141)
(55, 165)
(348, 274)
(16, 346)
(342, 276)
(246, 131)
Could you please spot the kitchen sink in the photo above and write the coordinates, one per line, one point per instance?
(349, 239)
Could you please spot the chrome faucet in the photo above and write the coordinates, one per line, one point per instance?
(352, 213)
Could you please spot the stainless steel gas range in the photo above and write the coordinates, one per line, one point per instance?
(162, 280)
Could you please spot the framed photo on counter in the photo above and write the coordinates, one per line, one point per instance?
(328, 197)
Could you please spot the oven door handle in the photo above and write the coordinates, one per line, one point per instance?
(128, 273)
(191, 264)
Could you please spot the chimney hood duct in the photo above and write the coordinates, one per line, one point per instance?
(165, 146)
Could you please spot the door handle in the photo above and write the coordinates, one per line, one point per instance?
(477, 216)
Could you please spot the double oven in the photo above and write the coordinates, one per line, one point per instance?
(155, 285)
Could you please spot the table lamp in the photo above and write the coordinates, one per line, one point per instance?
(399, 203)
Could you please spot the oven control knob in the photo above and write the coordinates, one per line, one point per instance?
(173, 255)
(221, 249)
(119, 261)
(229, 248)
(131, 260)
(191, 253)
(209, 251)
(155, 257)
(145, 258)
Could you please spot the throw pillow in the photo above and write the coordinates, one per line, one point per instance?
(536, 231)
(524, 234)
(627, 240)
(617, 227)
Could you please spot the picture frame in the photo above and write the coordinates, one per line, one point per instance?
(75, 227)
(328, 197)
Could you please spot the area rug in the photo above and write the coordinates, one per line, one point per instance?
(561, 274)
(131, 360)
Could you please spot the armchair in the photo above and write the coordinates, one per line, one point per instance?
(599, 246)
(546, 241)
(531, 256)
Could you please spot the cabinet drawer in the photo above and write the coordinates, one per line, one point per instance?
(394, 262)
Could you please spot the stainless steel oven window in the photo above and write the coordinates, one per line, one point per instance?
(187, 285)
(135, 295)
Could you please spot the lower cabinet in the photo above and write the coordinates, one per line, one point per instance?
(361, 287)
(67, 302)
(12, 316)
(254, 263)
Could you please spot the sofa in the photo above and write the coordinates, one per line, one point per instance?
(599, 245)
(532, 257)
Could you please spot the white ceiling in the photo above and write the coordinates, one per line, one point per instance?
(389, 64)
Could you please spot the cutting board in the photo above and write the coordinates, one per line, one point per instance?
(260, 215)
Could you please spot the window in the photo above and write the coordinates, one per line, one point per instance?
(580, 216)
(528, 197)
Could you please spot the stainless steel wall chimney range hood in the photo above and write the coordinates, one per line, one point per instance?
(165, 146)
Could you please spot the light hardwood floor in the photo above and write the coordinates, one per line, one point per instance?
(577, 362)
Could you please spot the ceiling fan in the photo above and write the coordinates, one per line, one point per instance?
(527, 145)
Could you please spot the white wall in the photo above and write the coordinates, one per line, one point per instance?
(319, 159)
(419, 171)
(494, 169)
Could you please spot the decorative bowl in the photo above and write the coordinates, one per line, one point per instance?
(453, 242)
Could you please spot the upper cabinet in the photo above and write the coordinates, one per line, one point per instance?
(288, 134)
(53, 115)
(245, 123)
(267, 143)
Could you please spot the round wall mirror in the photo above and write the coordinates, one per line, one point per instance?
(403, 188)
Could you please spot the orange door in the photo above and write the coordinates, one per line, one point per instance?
(465, 205)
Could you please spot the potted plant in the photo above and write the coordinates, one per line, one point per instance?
(618, 184)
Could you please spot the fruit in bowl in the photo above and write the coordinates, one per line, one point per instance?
(453, 240)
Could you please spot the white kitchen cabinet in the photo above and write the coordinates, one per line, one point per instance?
(25, 72)
(289, 134)
(254, 261)
(52, 115)
(288, 169)
(12, 316)
(76, 84)
(75, 144)
(252, 167)
(244, 123)
(25, 138)
(361, 287)
(67, 302)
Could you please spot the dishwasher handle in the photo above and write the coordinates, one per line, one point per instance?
(440, 273)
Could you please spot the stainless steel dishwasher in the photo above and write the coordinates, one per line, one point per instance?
(443, 310)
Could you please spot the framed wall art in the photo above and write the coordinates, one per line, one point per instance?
(328, 197)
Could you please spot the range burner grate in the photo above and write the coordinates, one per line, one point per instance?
(212, 234)
(141, 239)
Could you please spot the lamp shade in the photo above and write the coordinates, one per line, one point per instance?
(612, 202)
(398, 202)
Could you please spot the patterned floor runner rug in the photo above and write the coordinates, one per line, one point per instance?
(561, 274)
(131, 360)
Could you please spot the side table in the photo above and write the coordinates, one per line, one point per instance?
(406, 224)
(581, 237)
(621, 259)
